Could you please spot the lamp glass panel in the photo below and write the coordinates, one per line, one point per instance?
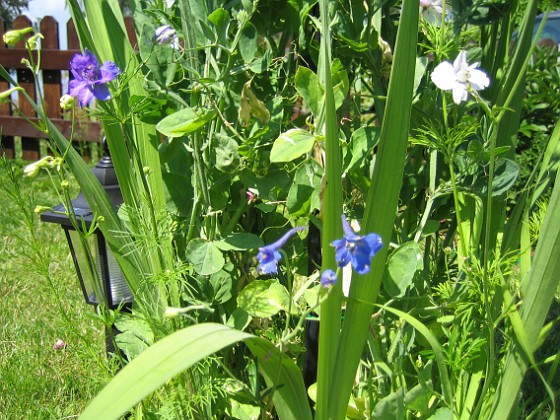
(120, 292)
(84, 265)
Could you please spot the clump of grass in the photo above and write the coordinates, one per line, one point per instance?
(41, 303)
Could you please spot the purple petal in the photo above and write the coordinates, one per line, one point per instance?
(101, 92)
(85, 96)
(280, 242)
(75, 86)
(80, 62)
(109, 71)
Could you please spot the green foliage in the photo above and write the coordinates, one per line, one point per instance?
(259, 118)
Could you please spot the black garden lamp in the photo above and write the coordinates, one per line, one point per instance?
(113, 287)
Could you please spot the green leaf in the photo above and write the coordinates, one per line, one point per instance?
(362, 142)
(263, 298)
(304, 194)
(181, 350)
(308, 86)
(291, 145)
(239, 319)
(245, 411)
(130, 344)
(220, 19)
(340, 82)
(278, 296)
(222, 285)
(226, 153)
(185, 121)
(401, 267)
(240, 242)
(248, 42)
(205, 256)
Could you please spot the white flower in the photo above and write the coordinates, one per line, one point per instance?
(459, 77)
(431, 11)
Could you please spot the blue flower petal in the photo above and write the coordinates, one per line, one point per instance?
(348, 231)
(109, 71)
(101, 92)
(328, 278)
(355, 249)
(375, 243)
(269, 256)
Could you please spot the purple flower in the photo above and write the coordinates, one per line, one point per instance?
(164, 35)
(328, 278)
(355, 249)
(90, 80)
(269, 256)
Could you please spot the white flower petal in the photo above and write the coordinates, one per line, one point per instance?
(432, 16)
(460, 61)
(478, 79)
(443, 76)
(460, 93)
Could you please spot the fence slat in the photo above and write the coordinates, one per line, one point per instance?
(30, 146)
(51, 78)
(6, 142)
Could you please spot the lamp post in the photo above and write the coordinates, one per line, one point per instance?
(99, 274)
(113, 285)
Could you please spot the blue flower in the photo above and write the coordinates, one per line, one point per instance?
(355, 249)
(269, 256)
(90, 80)
(328, 278)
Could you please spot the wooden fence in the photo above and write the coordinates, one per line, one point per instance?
(54, 69)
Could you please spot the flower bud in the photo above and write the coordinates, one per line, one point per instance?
(164, 35)
(59, 345)
(147, 170)
(173, 312)
(328, 278)
(31, 43)
(64, 185)
(5, 96)
(32, 170)
(41, 209)
(66, 102)
(11, 38)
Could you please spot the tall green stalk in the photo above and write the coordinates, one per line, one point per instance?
(380, 209)
(329, 329)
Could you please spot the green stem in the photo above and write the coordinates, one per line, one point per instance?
(331, 309)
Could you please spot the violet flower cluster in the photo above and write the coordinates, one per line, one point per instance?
(90, 80)
(269, 255)
(355, 249)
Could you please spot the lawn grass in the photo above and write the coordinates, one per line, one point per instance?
(36, 380)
